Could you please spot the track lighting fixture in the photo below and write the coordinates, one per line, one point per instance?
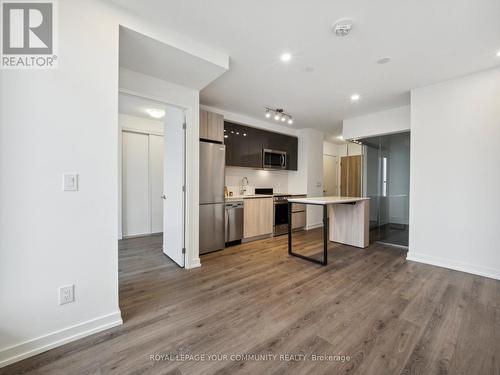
(279, 115)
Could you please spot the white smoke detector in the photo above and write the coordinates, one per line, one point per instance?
(342, 27)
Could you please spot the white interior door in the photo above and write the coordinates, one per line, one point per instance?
(173, 184)
(330, 175)
(135, 184)
(156, 181)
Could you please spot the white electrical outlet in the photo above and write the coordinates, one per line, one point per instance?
(66, 294)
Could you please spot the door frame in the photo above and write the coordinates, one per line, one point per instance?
(336, 172)
(191, 171)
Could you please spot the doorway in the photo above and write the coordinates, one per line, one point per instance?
(153, 173)
(330, 175)
(387, 183)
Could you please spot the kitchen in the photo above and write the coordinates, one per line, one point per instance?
(244, 183)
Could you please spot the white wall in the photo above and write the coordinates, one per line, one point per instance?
(141, 124)
(66, 121)
(330, 148)
(309, 177)
(55, 122)
(455, 174)
(384, 122)
(344, 149)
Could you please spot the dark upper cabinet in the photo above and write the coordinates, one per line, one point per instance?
(244, 145)
(292, 146)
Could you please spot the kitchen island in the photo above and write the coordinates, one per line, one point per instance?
(345, 220)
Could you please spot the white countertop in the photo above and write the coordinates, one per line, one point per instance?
(328, 200)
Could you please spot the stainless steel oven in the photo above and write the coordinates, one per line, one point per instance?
(281, 214)
(274, 159)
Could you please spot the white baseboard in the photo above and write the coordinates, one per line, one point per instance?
(52, 340)
(194, 263)
(314, 226)
(455, 265)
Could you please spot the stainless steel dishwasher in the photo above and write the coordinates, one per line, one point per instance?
(234, 222)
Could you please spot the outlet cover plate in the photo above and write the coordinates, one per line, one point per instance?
(66, 294)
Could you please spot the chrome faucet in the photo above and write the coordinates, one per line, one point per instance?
(243, 187)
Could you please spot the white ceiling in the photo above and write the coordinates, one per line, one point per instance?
(136, 106)
(428, 41)
(149, 56)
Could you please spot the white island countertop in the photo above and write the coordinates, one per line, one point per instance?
(328, 200)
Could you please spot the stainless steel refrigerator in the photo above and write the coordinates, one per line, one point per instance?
(212, 167)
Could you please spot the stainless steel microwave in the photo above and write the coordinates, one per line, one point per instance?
(273, 159)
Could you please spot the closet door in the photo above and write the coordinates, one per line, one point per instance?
(135, 176)
(156, 179)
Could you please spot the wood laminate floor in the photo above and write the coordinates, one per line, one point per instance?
(373, 310)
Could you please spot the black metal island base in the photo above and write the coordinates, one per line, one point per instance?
(345, 220)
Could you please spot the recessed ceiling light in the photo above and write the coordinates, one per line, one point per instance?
(340, 138)
(498, 54)
(355, 97)
(225, 136)
(286, 57)
(383, 60)
(156, 113)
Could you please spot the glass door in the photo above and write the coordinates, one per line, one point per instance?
(386, 171)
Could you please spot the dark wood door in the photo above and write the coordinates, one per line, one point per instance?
(350, 176)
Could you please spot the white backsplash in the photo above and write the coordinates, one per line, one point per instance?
(278, 180)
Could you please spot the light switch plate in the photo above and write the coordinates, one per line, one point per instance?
(70, 182)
